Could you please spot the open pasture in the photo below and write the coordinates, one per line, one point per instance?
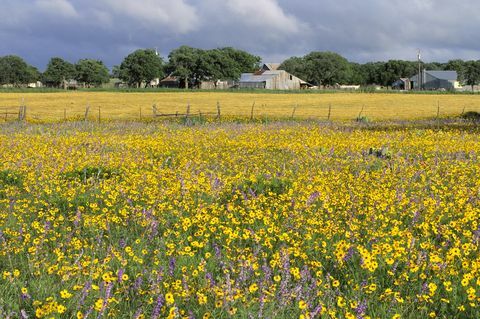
(344, 106)
(285, 220)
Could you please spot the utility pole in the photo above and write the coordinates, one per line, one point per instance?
(419, 78)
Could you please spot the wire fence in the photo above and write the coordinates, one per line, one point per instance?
(257, 111)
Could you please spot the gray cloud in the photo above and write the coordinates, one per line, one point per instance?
(274, 29)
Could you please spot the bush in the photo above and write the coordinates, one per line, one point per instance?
(471, 116)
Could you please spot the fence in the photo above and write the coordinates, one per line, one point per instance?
(254, 112)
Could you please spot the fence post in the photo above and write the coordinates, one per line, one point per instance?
(20, 110)
(361, 111)
(154, 110)
(99, 114)
(218, 110)
(86, 112)
(24, 114)
(187, 113)
(6, 115)
(294, 109)
(251, 112)
(329, 111)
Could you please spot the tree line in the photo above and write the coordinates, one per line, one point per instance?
(191, 66)
(329, 68)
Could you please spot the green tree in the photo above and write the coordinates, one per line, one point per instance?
(356, 74)
(243, 62)
(373, 71)
(91, 72)
(472, 73)
(395, 69)
(326, 68)
(456, 65)
(58, 71)
(14, 70)
(194, 65)
(141, 66)
(296, 66)
(183, 62)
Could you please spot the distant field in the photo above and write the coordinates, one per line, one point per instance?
(345, 106)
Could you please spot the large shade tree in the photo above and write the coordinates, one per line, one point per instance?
(58, 72)
(194, 65)
(141, 66)
(91, 72)
(15, 71)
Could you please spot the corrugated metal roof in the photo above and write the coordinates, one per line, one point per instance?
(441, 75)
(265, 76)
(444, 75)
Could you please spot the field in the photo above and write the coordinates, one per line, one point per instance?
(278, 220)
(344, 106)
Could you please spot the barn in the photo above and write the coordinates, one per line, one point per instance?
(270, 78)
(436, 80)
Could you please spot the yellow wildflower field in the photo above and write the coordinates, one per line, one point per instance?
(344, 106)
(279, 220)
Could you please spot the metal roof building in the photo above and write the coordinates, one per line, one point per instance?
(271, 79)
(436, 80)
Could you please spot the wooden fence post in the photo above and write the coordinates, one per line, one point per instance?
(154, 109)
(361, 111)
(251, 112)
(24, 114)
(218, 110)
(99, 114)
(294, 109)
(187, 113)
(329, 111)
(87, 109)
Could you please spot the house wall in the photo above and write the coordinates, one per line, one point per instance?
(252, 85)
(283, 81)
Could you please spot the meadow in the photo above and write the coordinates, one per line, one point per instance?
(288, 219)
(56, 106)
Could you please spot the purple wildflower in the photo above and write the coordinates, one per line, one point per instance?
(158, 307)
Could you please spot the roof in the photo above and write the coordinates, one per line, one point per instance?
(256, 77)
(271, 66)
(444, 75)
(441, 75)
(263, 76)
(170, 78)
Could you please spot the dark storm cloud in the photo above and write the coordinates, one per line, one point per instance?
(274, 29)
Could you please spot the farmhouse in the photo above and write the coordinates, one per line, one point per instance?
(435, 80)
(270, 78)
(403, 84)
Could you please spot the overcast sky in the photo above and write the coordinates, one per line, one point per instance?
(362, 31)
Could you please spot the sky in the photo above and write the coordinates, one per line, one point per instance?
(362, 31)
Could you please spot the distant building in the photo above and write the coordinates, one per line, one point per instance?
(435, 80)
(172, 82)
(403, 84)
(270, 78)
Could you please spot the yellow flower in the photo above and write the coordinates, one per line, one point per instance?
(61, 309)
(64, 294)
(80, 315)
(169, 298)
(302, 305)
(253, 288)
